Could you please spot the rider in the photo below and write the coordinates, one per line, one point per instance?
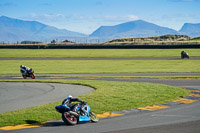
(24, 69)
(68, 101)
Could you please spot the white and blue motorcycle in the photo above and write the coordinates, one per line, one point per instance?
(82, 114)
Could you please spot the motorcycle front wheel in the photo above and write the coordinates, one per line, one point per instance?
(93, 117)
(69, 119)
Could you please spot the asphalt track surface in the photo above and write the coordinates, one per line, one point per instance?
(18, 95)
(180, 118)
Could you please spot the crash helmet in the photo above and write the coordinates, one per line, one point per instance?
(21, 66)
(69, 97)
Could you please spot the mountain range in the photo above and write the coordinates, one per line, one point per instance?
(142, 28)
(137, 28)
(13, 30)
(192, 30)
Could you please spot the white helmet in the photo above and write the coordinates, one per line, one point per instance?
(69, 97)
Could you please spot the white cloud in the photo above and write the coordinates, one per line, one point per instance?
(114, 18)
(132, 17)
(79, 17)
(44, 17)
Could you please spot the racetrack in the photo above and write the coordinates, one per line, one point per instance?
(184, 118)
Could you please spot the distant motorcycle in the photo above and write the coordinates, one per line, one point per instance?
(27, 72)
(83, 114)
(184, 55)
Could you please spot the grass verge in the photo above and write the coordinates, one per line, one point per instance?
(96, 52)
(100, 66)
(109, 96)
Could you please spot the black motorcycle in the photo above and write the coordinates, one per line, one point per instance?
(184, 55)
(28, 73)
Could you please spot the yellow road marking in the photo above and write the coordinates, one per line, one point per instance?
(195, 90)
(108, 114)
(104, 115)
(17, 77)
(19, 127)
(195, 95)
(182, 100)
(154, 107)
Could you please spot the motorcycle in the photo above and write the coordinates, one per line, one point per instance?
(83, 114)
(184, 55)
(28, 73)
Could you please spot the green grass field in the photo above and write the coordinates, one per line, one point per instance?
(96, 52)
(100, 66)
(109, 96)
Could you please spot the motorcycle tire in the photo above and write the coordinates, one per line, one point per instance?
(32, 76)
(182, 57)
(69, 119)
(93, 117)
(24, 76)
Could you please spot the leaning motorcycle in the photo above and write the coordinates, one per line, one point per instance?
(28, 73)
(83, 114)
(184, 55)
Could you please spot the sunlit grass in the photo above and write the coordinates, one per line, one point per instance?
(100, 66)
(96, 52)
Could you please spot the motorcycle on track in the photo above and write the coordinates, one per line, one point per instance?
(184, 55)
(83, 114)
(27, 72)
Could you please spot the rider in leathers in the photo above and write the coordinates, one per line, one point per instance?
(68, 101)
(24, 69)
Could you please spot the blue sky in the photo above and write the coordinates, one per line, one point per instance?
(85, 16)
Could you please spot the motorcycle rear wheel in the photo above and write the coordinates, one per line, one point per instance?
(69, 119)
(93, 117)
(32, 76)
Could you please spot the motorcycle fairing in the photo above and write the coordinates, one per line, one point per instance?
(62, 108)
(86, 117)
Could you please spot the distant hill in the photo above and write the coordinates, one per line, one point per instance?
(166, 39)
(137, 28)
(12, 30)
(192, 30)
